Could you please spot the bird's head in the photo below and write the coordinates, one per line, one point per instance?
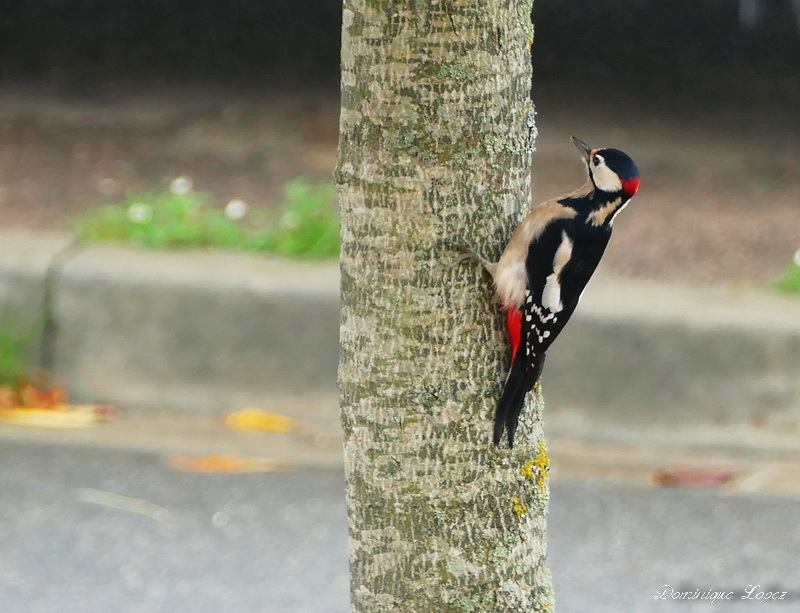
(610, 170)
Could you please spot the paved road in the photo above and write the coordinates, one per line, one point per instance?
(277, 543)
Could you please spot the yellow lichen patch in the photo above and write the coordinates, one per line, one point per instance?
(519, 508)
(542, 462)
(527, 470)
(538, 467)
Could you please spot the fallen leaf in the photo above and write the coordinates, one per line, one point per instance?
(33, 395)
(693, 476)
(33, 392)
(253, 418)
(226, 463)
(61, 416)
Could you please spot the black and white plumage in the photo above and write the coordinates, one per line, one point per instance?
(546, 265)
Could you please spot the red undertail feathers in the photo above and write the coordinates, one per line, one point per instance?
(514, 326)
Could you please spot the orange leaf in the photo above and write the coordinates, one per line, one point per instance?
(253, 418)
(225, 463)
(41, 397)
(693, 476)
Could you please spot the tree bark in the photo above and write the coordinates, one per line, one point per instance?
(436, 136)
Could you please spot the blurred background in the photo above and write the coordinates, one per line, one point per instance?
(100, 101)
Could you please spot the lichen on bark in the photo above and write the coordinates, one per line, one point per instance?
(436, 136)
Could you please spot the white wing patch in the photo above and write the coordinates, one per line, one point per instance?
(551, 295)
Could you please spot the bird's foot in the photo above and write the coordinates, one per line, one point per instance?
(468, 254)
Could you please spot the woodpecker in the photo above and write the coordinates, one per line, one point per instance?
(550, 258)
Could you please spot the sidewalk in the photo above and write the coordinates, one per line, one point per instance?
(208, 332)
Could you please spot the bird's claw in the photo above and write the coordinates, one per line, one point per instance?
(468, 253)
(456, 263)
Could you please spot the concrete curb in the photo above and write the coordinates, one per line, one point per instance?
(208, 331)
(698, 366)
(196, 331)
(26, 260)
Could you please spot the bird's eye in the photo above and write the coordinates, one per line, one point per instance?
(596, 161)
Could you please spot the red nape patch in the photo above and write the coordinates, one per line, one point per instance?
(631, 186)
(514, 325)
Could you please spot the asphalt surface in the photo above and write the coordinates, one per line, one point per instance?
(86, 530)
(247, 543)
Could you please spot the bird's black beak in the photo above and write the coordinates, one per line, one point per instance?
(585, 149)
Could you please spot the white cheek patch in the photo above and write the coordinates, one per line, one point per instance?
(605, 179)
(551, 295)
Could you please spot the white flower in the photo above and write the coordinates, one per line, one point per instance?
(290, 219)
(180, 186)
(139, 212)
(797, 257)
(236, 209)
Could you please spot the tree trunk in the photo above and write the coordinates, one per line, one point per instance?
(436, 136)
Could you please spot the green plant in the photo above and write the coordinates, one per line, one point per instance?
(790, 281)
(307, 223)
(15, 346)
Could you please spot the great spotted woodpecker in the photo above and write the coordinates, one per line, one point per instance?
(546, 265)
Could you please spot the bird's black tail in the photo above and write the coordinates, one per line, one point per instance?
(521, 378)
